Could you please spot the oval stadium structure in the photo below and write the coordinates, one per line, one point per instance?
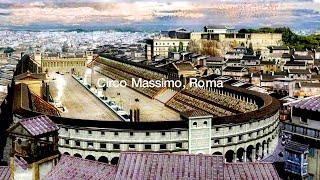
(235, 122)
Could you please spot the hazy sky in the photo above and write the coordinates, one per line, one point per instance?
(294, 13)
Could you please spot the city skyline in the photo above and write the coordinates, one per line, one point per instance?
(144, 15)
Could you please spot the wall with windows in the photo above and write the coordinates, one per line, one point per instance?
(243, 142)
(110, 142)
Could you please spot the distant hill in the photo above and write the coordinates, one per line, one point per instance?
(291, 39)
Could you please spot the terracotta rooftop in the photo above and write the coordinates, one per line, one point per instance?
(42, 106)
(74, 168)
(20, 162)
(169, 166)
(4, 172)
(24, 99)
(235, 171)
(139, 165)
(39, 125)
(311, 103)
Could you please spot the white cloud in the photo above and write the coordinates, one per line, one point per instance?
(24, 12)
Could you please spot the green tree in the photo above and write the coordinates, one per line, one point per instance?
(174, 49)
(290, 38)
(8, 50)
(180, 47)
(250, 49)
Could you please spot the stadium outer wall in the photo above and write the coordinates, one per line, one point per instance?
(244, 137)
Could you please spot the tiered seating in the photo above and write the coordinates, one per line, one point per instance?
(182, 103)
(179, 106)
(166, 95)
(120, 75)
(140, 72)
(223, 100)
(211, 102)
(121, 71)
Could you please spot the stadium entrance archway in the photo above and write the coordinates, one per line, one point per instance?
(90, 157)
(77, 155)
(229, 156)
(103, 159)
(114, 161)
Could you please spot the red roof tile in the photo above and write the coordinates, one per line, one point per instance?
(4, 172)
(39, 125)
(310, 103)
(141, 165)
(20, 162)
(235, 171)
(73, 168)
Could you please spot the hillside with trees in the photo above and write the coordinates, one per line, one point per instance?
(290, 38)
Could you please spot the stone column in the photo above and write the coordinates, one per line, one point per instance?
(253, 155)
(260, 152)
(234, 159)
(244, 157)
(265, 150)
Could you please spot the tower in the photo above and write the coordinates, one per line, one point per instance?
(199, 133)
(89, 56)
(37, 57)
(34, 147)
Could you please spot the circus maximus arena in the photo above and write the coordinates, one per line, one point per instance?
(242, 125)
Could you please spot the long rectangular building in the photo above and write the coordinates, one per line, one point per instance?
(164, 44)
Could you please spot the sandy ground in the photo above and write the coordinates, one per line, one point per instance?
(79, 103)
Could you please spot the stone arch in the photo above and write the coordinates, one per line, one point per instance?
(90, 157)
(217, 153)
(66, 153)
(250, 153)
(241, 155)
(269, 139)
(114, 161)
(77, 155)
(103, 159)
(200, 152)
(229, 156)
